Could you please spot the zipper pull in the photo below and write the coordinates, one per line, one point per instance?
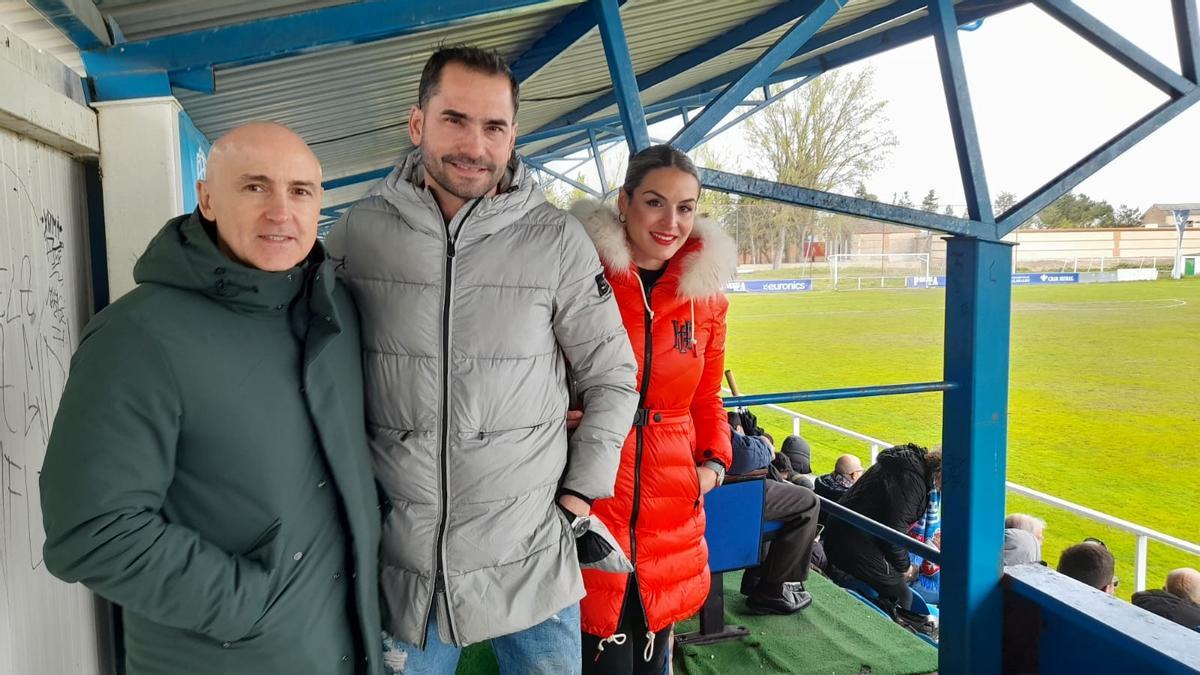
(449, 248)
(439, 582)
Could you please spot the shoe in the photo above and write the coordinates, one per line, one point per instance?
(786, 598)
(916, 623)
(749, 581)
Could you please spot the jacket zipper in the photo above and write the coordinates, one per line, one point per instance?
(439, 579)
(637, 457)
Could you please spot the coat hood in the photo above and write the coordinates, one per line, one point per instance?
(404, 188)
(909, 458)
(184, 255)
(708, 258)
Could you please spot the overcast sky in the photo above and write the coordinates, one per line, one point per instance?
(1043, 98)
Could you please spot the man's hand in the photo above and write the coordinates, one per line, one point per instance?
(575, 505)
(707, 478)
(573, 419)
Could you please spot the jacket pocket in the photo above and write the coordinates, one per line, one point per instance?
(696, 491)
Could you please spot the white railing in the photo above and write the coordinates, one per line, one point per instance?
(1143, 534)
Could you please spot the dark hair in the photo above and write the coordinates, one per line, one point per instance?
(655, 157)
(486, 61)
(933, 466)
(1089, 562)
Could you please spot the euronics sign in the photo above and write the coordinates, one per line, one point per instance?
(1017, 280)
(770, 286)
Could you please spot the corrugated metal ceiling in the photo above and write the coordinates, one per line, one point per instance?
(352, 102)
(142, 19)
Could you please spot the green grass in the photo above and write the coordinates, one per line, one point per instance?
(1104, 406)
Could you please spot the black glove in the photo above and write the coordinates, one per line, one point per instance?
(595, 545)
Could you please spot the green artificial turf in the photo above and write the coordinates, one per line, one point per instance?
(836, 635)
(1104, 403)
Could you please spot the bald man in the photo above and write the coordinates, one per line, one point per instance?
(208, 469)
(1179, 601)
(833, 485)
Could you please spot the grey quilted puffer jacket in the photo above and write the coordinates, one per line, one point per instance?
(468, 328)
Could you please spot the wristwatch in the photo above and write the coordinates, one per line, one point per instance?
(719, 468)
(580, 525)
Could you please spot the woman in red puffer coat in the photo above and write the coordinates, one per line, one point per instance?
(667, 269)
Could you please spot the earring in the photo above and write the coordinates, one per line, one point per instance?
(621, 218)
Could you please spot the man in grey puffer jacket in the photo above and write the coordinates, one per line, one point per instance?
(475, 295)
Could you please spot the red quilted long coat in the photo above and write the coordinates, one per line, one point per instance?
(657, 512)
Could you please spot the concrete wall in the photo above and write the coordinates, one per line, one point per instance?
(47, 135)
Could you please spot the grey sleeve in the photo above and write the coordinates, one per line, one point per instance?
(336, 242)
(587, 325)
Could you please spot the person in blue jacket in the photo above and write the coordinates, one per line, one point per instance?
(777, 585)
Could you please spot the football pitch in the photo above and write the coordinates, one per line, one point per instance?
(1104, 398)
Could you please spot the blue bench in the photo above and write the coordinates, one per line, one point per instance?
(735, 531)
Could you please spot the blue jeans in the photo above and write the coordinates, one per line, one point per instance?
(550, 648)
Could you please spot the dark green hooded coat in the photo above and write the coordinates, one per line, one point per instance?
(208, 468)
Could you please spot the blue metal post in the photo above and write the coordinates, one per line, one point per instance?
(815, 16)
(974, 438)
(1187, 35)
(620, 67)
(962, 117)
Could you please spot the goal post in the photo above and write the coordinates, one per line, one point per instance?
(876, 268)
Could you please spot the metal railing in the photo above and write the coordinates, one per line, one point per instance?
(1142, 533)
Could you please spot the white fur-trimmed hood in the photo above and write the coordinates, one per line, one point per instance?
(705, 271)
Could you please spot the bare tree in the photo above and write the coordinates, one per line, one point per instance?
(828, 135)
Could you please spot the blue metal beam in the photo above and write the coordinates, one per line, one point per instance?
(1187, 35)
(816, 14)
(829, 201)
(289, 35)
(758, 106)
(580, 142)
(835, 394)
(599, 161)
(573, 27)
(755, 27)
(962, 117)
(569, 181)
(974, 438)
(971, 10)
(1112, 43)
(672, 104)
(79, 20)
(1093, 162)
(620, 68)
(355, 179)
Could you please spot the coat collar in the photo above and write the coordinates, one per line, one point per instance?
(706, 261)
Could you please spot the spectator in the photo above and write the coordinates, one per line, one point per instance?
(893, 492)
(800, 456)
(1185, 583)
(1020, 547)
(1024, 521)
(833, 485)
(1179, 601)
(777, 585)
(1091, 563)
(750, 453)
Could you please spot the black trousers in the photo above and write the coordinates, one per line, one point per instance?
(628, 658)
(790, 552)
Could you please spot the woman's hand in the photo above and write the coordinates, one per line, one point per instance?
(707, 478)
(573, 419)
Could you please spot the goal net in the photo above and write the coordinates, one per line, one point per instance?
(876, 270)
